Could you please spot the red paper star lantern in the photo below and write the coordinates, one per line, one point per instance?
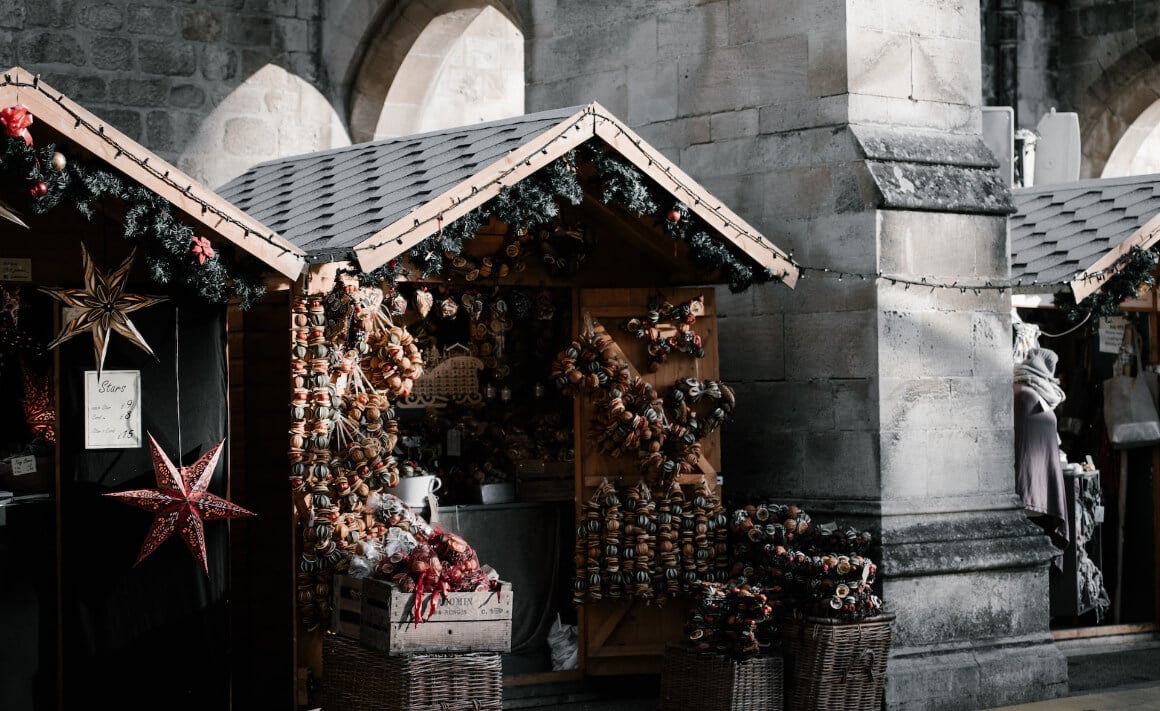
(181, 502)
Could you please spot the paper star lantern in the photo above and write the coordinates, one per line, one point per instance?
(181, 502)
(102, 306)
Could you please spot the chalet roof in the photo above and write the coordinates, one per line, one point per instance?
(1065, 230)
(199, 204)
(374, 201)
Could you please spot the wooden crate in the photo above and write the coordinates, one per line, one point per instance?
(546, 481)
(381, 616)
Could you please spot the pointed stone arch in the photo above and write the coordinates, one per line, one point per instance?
(1113, 108)
(271, 114)
(391, 38)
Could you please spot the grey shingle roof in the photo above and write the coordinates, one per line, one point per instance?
(329, 201)
(1059, 230)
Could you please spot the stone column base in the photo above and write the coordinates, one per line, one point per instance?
(976, 675)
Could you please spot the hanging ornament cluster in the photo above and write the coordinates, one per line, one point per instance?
(560, 249)
(174, 256)
(395, 362)
(631, 417)
(181, 502)
(726, 618)
(418, 557)
(630, 545)
(350, 365)
(804, 569)
(668, 329)
(101, 307)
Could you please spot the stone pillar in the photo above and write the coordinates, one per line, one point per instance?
(849, 132)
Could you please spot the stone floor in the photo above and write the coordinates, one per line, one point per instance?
(1106, 675)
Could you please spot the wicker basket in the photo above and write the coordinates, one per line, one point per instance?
(355, 678)
(832, 664)
(717, 683)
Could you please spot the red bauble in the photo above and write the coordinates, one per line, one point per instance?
(674, 216)
(38, 190)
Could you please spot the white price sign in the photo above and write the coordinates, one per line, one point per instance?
(113, 409)
(23, 465)
(1111, 332)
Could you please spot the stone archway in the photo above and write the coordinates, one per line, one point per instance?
(391, 43)
(273, 113)
(1138, 150)
(1113, 109)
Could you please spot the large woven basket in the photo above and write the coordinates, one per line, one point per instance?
(717, 683)
(355, 678)
(836, 665)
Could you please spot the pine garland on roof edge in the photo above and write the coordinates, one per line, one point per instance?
(149, 222)
(1133, 271)
(536, 200)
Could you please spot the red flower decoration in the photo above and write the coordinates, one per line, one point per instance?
(16, 120)
(202, 249)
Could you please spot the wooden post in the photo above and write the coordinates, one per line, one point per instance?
(1121, 504)
(1154, 358)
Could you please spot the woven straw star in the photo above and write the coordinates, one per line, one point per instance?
(102, 306)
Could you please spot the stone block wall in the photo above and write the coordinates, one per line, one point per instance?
(158, 71)
(1094, 57)
(848, 133)
(844, 130)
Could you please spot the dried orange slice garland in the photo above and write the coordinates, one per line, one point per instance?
(634, 545)
(680, 318)
(632, 418)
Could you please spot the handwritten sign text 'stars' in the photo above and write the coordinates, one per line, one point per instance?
(112, 409)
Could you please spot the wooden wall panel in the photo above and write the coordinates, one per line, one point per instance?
(263, 547)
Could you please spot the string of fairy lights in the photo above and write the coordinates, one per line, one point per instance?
(591, 113)
(804, 270)
(163, 175)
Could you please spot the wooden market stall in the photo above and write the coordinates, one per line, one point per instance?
(469, 284)
(122, 363)
(1093, 242)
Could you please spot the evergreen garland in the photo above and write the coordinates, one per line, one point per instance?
(623, 185)
(1135, 269)
(149, 222)
(536, 200)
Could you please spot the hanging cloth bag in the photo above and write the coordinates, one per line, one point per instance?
(1130, 403)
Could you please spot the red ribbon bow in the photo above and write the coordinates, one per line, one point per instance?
(202, 249)
(439, 589)
(16, 120)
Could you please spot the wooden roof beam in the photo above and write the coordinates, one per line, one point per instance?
(198, 203)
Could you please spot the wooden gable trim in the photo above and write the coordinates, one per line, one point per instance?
(1144, 237)
(403, 234)
(594, 120)
(198, 203)
(727, 223)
